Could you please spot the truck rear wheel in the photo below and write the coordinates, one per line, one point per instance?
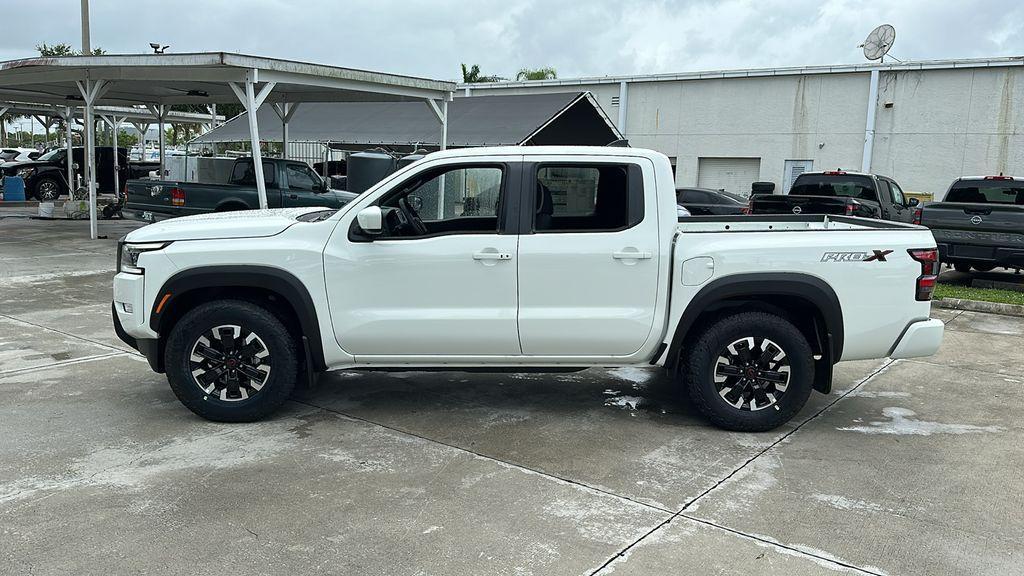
(749, 372)
(231, 361)
(960, 267)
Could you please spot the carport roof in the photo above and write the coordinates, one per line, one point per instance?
(556, 118)
(201, 78)
(127, 112)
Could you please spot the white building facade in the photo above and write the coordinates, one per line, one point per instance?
(921, 123)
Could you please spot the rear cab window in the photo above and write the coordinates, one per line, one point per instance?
(579, 197)
(987, 192)
(244, 175)
(856, 186)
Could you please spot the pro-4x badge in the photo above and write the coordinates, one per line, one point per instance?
(873, 256)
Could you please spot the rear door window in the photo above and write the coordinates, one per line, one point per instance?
(897, 194)
(587, 198)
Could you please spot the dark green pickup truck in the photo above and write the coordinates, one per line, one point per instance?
(289, 183)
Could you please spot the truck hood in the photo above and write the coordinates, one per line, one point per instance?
(239, 224)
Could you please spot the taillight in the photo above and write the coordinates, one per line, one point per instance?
(917, 217)
(177, 197)
(929, 259)
(849, 209)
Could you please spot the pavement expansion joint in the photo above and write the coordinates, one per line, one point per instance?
(885, 365)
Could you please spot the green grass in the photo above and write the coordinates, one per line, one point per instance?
(983, 294)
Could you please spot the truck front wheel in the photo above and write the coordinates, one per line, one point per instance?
(231, 361)
(749, 371)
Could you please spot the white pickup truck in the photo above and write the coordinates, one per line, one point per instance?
(515, 259)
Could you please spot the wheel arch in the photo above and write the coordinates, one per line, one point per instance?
(231, 204)
(807, 301)
(276, 289)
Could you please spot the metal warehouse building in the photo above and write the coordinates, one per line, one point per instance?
(922, 123)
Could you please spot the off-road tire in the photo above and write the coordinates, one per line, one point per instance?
(282, 359)
(698, 368)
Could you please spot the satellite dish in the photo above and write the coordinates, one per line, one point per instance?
(878, 42)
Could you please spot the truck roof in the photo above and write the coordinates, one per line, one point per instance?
(1000, 177)
(835, 172)
(549, 150)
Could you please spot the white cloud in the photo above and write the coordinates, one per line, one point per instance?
(596, 37)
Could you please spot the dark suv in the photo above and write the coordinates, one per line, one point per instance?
(46, 177)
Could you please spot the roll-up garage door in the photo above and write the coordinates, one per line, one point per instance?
(730, 174)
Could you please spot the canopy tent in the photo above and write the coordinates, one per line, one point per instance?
(161, 80)
(557, 118)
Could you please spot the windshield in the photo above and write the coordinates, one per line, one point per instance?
(987, 191)
(846, 185)
(56, 154)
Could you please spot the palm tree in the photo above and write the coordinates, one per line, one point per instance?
(545, 73)
(471, 75)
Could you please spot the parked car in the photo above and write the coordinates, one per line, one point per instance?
(46, 177)
(980, 223)
(18, 154)
(536, 258)
(708, 202)
(289, 183)
(840, 192)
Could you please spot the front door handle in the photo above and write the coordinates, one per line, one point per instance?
(633, 254)
(485, 255)
(293, 196)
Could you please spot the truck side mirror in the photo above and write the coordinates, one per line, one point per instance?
(371, 220)
(912, 202)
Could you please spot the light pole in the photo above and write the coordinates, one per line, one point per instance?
(86, 49)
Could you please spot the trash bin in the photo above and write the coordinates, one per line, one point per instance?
(14, 189)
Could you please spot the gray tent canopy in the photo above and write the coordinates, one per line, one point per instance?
(556, 118)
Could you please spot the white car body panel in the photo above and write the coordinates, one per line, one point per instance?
(560, 299)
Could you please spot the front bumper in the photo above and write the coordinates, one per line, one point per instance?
(921, 338)
(149, 347)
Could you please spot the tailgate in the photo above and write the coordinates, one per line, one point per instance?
(777, 204)
(154, 197)
(978, 224)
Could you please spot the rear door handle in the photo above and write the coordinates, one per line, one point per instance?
(293, 196)
(492, 256)
(632, 255)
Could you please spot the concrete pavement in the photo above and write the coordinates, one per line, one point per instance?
(909, 467)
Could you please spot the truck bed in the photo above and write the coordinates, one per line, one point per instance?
(786, 223)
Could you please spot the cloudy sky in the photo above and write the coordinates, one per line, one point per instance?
(578, 38)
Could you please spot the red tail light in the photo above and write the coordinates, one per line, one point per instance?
(1000, 177)
(849, 209)
(833, 172)
(177, 197)
(917, 217)
(929, 259)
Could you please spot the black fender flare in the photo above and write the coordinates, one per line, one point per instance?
(276, 280)
(770, 284)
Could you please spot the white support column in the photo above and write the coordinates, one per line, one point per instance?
(285, 111)
(3, 110)
(67, 115)
(869, 127)
(143, 128)
(91, 90)
(252, 101)
(442, 114)
(115, 126)
(623, 101)
(159, 111)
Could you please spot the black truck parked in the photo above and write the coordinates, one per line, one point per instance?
(840, 192)
(46, 177)
(980, 223)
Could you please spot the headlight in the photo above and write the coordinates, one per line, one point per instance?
(128, 255)
(26, 172)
